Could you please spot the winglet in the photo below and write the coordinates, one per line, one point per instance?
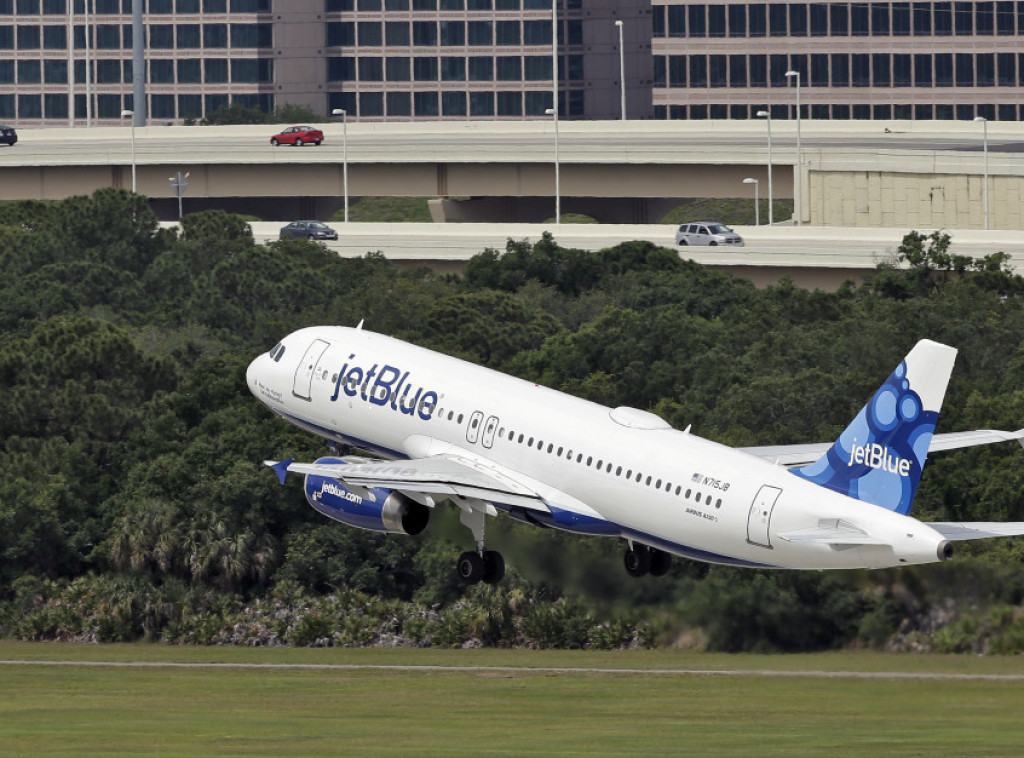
(280, 468)
(878, 459)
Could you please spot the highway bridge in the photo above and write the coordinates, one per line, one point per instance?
(850, 174)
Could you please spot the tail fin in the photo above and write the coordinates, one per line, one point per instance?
(880, 455)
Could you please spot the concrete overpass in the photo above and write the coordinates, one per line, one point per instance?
(813, 257)
(854, 174)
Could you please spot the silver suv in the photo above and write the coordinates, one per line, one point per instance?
(707, 233)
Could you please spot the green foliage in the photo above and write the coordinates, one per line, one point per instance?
(737, 211)
(386, 209)
(133, 505)
(235, 115)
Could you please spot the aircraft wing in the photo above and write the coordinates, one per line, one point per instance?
(803, 455)
(437, 475)
(976, 530)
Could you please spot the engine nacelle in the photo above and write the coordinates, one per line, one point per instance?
(389, 511)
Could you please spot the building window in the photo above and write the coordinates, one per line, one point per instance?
(716, 20)
(55, 72)
(162, 106)
(509, 68)
(758, 65)
(369, 33)
(453, 33)
(922, 19)
(480, 32)
(536, 68)
(481, 103)
(758, 20)
(798, 20)
(1007, 70)
(922, 70)
(510, 104)
(29, 72)
(341, 69)
(55, 38)
(396, 33)
(370, 69)
(696, 20)
(190, 106)
(737, 71)
(839, 19)
(860, 70)
(859, 20)
(698, 71)
(28, 38)
(963, 19)
(188, 36)
(1005, 25)
(161, 71)
(677, 21)
(399, 104)
(424, 69)
(215, 35)
(985, 65)
(717, 71)
(189, 71)
(840, 70)
(964, 70)
(737, 20)
(453, 69)
(216, 70)
(481, 69)
(819, 70)
(880, 20)
(943, 70)
(56, 106)
(371, 104)
(777, 19)
(341, 33)
(677, 71)
(425, 103)
(398, 70)
(901, 71)
(453, 103)
(901, 19)
(424, 33)
(943, 19)
(536, 32)
(507, 33)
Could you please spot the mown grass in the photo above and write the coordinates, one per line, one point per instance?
(170, 711)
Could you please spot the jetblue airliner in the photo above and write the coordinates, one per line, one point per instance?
(440, 428)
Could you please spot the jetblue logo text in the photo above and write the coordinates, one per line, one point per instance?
(879, 457)
(385, 386)
(336, 491)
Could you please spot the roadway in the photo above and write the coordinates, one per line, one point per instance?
(589, 141)
(820, 257)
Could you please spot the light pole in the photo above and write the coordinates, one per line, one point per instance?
(558, 189)
(799, 163)
(622, 70)
(768, 121)
(344, 154)
(757, 200)
(984, 143)
(130, 114)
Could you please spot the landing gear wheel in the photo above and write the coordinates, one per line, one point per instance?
(470, 567)
(494, 566)
(637, 560)
(661, 562)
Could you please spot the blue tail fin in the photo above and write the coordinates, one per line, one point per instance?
(880, 455)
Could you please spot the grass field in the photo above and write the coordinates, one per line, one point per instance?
(532, 708)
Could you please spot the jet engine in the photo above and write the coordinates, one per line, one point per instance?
(383, 511)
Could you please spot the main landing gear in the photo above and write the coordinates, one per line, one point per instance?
(478, 565)
(474, 567)
(641, 559)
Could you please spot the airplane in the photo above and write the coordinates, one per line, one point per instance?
(439, 428)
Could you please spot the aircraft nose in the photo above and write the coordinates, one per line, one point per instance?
(250, 375)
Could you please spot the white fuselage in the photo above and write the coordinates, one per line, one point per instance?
(662, 487)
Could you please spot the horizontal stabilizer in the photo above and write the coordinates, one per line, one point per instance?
(833, 532)
(804, 454)
(977, 530)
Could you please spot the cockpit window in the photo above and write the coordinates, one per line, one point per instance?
(276, 352)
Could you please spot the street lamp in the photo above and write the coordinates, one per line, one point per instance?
(558, 189)
(799, 162)
(622, 70)
(130, 114)
(757, 200)
(768, 121)
(984, 124)
(344, 154)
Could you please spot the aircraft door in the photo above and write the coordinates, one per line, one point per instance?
(490, 427)
(473, 430)
(306, 368)
(760, 516)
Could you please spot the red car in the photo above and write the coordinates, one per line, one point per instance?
(298, 135)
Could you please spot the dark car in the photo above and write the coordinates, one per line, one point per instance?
(298, 135)
(7, 134)
(311, 230)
